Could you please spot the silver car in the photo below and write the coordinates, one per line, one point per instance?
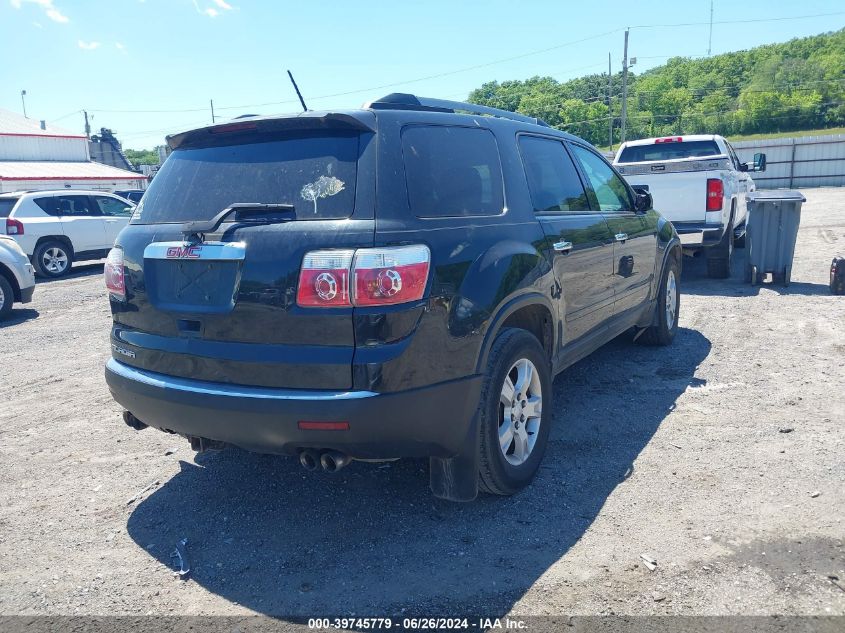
(17, 276)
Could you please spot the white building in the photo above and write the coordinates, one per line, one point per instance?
(36, 156)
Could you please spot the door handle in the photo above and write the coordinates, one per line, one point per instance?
(562, 247)
(621, 237)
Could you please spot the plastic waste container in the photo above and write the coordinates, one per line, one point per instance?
(771, 230)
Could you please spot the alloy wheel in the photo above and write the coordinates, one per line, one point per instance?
(55, 260)
(520, 411)
(671, 299)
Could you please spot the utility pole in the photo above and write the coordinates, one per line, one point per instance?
(610, 102)
(213, 119)
(23, 103)
(710, 38)
(87, 126)
(625, 86)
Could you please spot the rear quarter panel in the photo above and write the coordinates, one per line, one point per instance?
(37, 224)
(479, 264)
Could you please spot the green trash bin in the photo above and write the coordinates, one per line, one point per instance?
(770, 233)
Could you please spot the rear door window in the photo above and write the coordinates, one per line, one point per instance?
(668, 151)
(553, 181)
(314, 173)
(69, 206)
(452, 171)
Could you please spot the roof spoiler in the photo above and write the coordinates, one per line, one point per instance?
(213, 134)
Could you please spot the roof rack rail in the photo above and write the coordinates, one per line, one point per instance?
(404, 101)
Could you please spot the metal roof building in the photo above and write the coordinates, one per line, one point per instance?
(36, 156)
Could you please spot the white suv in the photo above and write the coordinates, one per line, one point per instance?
(17, 278)
(56, 228)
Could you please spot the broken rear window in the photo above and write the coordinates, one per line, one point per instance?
(314, 173)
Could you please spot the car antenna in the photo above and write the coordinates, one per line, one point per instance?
(298, 94)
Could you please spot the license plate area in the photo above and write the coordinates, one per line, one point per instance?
(201, 278)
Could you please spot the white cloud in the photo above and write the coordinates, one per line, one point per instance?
(211, 12)
(119, 46)
(38, 25)
(49, 9)
(88, 46)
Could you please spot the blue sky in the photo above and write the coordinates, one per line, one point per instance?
(124, 59)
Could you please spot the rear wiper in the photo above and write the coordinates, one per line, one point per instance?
(241, 210)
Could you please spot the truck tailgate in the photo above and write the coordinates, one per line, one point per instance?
(678, 187)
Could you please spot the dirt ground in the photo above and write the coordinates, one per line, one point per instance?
(722, 458)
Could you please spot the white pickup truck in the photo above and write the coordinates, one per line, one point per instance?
(699, 184)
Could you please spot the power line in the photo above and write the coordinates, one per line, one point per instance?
(459, 70)
(781, 19)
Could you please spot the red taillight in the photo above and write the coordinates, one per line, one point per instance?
(670, 139)
(113, 271)
(14, 227)
(233, 127)
(365, 277)
(386, 276)
(324, 279)
(715, 194)
(323, 426)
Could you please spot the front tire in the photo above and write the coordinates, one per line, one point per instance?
(514, 412)
(7, 297)
(52, 259)
(668, 308)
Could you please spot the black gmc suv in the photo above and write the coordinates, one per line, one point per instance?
(402, 280)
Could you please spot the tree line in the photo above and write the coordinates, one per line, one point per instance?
(795, 85)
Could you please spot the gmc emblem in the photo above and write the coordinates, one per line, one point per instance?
(183, 252)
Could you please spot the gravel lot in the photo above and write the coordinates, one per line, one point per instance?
(722, 458)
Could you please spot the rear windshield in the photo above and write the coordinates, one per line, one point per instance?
(6, 205)
(668, 151)
(316, 174)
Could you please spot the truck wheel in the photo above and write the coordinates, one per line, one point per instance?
(719, 256)
(52, 259)
(514, 412)
(7, 297)
(665, 326)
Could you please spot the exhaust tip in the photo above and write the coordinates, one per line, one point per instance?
(309, 459)
(333, 461)
(133, 422)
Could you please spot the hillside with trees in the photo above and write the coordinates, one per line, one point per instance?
(796, 85)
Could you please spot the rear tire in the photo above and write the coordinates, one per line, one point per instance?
(7, 297)
(668, 307)
(512, 447)
(719, 256)
(52, 259)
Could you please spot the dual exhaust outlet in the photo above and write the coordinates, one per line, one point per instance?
(330, 461)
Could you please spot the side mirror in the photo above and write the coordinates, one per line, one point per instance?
(759, 162)
(642, 200)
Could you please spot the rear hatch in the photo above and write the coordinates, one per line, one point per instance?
(219, 303)
(675, 174)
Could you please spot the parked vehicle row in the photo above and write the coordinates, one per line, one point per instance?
(699, 184)
(399, 280)
(56, 228)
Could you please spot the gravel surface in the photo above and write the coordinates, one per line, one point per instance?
(721, 458)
